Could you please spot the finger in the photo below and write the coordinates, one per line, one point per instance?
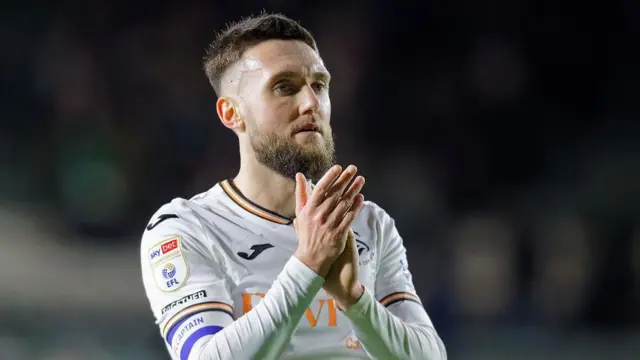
(351, 214)
(351, 241)
(346, 201)
(323, 185)
(354, 189)
(348, 237)
(337, 188)
(302, 195)
(351, 236)
(339, 212)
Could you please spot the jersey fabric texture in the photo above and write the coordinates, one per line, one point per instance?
(209, 261)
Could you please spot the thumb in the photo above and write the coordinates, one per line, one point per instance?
(295, 225)
(301, 192)
(351, 241)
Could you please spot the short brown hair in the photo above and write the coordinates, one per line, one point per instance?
(238, 37)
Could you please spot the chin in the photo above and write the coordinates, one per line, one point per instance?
(313, 147)
(308, 142)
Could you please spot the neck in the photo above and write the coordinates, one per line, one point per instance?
(266, 188)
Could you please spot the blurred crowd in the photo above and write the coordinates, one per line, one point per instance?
(502, 137)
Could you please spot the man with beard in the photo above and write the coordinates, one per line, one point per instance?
(286, 260)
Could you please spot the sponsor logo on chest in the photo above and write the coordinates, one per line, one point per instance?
(322, 312)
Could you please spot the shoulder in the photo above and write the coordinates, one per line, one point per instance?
(175, 244)
(376, 224)
(185, 214)
(179, 218)
(169, 230)
(177, 214)
(373, 215)
(198, 222)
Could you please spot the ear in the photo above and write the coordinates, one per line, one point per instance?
(229, 114)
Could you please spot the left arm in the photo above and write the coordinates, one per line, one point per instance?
(397, 326)
(402, 330)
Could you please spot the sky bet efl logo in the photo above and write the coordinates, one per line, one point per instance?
(163, 249)
(168, 264)
(169, 273)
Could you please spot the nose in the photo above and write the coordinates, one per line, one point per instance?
(309, 102)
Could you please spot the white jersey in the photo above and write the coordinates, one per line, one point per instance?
(210, 260)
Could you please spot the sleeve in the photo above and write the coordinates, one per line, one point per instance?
(190, 297)
(397, 326)
(394, 282)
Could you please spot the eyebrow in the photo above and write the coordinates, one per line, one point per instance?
(322, 75)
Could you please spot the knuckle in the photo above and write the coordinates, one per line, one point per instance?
(318, 218)
(343, 207)
(340, 211)
(320, 187)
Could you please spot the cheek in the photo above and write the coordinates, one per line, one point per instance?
(264, 110)
(325, 107)
(283, 111)
(274, 116)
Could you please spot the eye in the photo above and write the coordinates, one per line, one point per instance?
(285, 89)
(319, 86)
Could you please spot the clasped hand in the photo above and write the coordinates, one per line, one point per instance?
(326, 243)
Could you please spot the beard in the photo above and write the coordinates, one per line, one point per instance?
(286, 157)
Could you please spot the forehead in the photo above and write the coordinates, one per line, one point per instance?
(275, 56)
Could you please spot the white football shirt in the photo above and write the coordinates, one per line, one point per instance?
(210, 260)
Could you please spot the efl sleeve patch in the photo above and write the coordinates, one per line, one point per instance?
(168, 265)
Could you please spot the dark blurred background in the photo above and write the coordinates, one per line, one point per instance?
(503, 137)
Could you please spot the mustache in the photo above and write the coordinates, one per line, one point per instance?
(307, 126)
